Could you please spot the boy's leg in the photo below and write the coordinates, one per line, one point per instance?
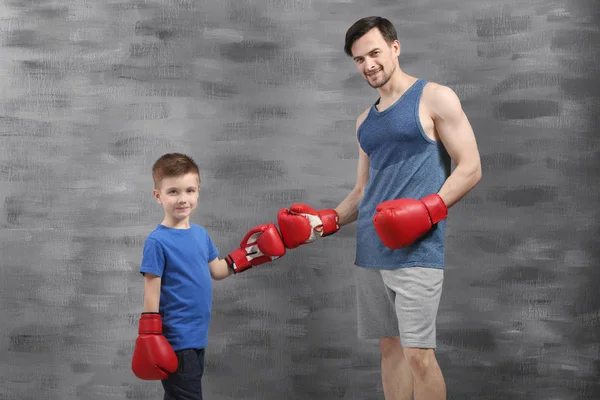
(186, 383)
(417, 297)
(377, 320)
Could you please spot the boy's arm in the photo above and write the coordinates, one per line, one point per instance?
(153, 356)
(219, 269)
(260, 245)
(151, 292)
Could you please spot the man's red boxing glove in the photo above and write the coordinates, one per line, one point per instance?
(153, 357)
(261, 244)
(302, 224)
(400, 222)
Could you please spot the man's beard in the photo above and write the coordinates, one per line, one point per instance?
(384, 80)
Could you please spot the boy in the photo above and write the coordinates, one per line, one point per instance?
(178, 262)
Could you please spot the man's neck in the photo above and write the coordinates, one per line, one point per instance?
(396, 86)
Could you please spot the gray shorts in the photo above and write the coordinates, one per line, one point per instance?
(402, 302)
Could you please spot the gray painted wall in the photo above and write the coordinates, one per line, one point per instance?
(261, 94)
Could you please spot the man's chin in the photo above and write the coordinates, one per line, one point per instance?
(376, 84)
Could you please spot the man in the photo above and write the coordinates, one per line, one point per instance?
(406, 141)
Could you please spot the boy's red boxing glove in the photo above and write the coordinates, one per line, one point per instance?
(153, 357)
(262, 244)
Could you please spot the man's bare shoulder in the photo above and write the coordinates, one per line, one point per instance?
(436, 92)
(440, 98)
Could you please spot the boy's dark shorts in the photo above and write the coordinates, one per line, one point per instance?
(186, 383)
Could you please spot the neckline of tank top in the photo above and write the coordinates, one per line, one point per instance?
(395, 103)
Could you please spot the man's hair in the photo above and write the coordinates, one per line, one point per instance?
(364, 25)
(173, 165)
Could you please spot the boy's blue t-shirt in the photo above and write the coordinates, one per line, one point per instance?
(180, 257)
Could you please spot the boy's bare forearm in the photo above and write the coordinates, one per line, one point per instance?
(151, 293)
(219, 269)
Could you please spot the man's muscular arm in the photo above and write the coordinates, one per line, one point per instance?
(348, 209)
(456, 133)
(399, 222)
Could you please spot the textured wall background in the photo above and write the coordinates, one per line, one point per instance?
(261, 94)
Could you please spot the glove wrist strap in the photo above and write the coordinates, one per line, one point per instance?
(237, 261)
(330, 220)
(230, 263)
(436, 207)
(150, 323)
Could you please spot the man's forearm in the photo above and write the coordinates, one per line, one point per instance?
(459, 183)
(347, 210)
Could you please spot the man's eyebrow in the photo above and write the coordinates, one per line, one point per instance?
(369, 52)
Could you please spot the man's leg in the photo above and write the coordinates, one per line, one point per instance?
(376, 312)
(417, 296)
(396, 375)
(428, 379)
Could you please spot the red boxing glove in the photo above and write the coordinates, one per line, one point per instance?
(302, 224)
(402, 221)
(261, 244)
(153, 357)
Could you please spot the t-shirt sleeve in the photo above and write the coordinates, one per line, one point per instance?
(213, 252)
(153, 258)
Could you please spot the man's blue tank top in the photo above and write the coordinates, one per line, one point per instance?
(404, 163)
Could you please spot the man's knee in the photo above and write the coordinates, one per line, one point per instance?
(420, 360)
(390, 347)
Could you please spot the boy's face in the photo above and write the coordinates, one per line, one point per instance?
(178, 196)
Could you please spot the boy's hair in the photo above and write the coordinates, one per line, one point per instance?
(173, 165)
(364, 25)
